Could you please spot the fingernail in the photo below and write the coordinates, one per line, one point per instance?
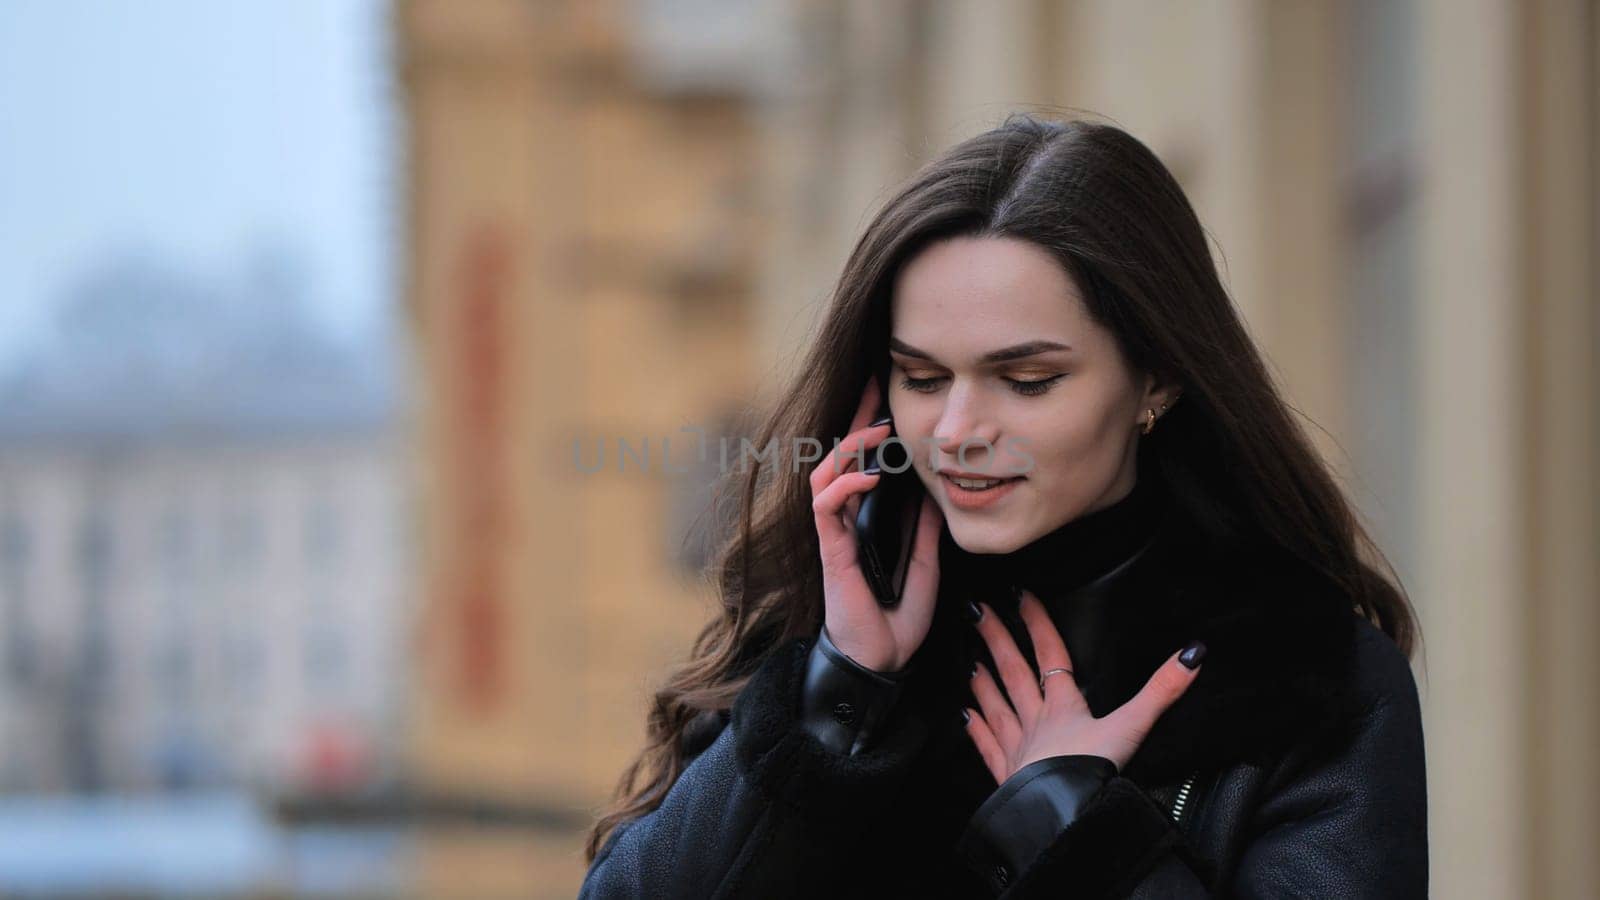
(883, 421)
(872, 467)
(1016, 593)
(974, 672)
(1192, 654)
(974, 612)
(965, 716)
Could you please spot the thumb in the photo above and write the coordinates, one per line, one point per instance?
(1139, 714)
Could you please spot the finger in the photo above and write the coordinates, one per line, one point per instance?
(1022, 685)
(1136, 717)
(988, 746)
(835, 538)
(831, 501)
(922, 576)
(996, 711)
(1049, 650)
(840, 459)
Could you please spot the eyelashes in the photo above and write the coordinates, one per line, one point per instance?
(1034, 388)
(1025, 388)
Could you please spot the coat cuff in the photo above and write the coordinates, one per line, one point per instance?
(1028, 813)
(1117, 838)
(843, 703)
(789, 765)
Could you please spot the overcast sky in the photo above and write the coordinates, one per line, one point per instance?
(195, 131)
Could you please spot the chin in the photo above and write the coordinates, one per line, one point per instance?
(982, 538)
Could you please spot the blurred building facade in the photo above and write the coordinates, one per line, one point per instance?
(583, 247)
(202, 531)
(627, 216)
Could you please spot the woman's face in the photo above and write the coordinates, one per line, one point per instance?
(992, 346)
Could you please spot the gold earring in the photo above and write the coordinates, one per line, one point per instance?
(1150, 421)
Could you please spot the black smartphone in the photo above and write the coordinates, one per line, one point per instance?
(886, 521)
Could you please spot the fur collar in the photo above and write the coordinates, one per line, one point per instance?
(1280, 642)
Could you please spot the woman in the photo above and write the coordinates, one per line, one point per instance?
(1138, 652)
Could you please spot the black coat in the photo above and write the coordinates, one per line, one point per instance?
(1291, 767)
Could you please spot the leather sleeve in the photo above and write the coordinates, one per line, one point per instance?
(843, 703)
(771, 808)
(1351, 824)
(1026, 813)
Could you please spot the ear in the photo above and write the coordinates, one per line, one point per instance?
(1160, 393)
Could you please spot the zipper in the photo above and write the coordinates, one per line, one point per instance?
(1181, 800)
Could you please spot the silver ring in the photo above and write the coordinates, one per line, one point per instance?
(1048, 673)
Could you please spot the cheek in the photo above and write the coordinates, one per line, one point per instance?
(1079, 443)
(913, 424)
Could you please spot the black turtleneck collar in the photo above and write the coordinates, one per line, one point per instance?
(1063, 569)
(1077, 552)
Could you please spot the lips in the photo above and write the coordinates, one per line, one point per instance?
(973, 476)
(977, 498)
(975, 483)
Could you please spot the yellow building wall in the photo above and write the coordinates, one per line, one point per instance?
(579, 252)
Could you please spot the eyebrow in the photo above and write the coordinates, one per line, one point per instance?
(1004, 354)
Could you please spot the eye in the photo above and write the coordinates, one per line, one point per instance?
(921, 385)
(1033, 388)
(1025, 388)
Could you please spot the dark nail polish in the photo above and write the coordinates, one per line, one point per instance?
(872, 467)
(1192, 654)
(965, 716)
(876, 422)
(974, 613)
(974, 672)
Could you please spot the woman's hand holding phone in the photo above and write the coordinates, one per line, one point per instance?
(879, 638)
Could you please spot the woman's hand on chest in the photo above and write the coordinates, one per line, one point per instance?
(1048, 716)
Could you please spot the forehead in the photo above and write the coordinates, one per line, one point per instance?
(974, 291)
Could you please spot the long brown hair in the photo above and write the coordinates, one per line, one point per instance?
(1236, 463)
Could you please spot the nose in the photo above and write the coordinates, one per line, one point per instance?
(964, 422)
